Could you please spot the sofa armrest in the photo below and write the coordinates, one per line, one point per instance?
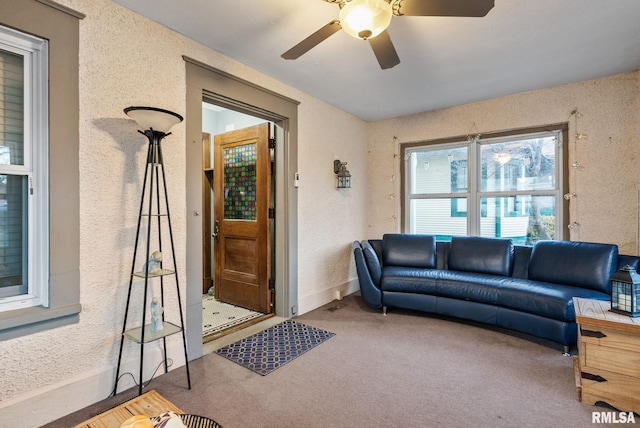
(369, 289)
(627, 260)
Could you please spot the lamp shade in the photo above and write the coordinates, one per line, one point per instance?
(365, 19)
(153, 118)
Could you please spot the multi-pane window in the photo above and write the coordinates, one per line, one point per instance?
(23, 170)
(507, 186)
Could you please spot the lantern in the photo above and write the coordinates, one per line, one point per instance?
(343, 174)
(625, 292)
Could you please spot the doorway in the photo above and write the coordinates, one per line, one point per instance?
(224, 89)
(238, 194)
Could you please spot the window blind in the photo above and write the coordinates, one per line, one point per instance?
(13, 185)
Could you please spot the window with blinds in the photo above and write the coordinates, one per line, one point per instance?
(12, 234)
(23, 149)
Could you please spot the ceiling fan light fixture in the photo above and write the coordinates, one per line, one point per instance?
(365, 19)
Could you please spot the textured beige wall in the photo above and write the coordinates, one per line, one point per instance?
(606, 206)
(125, 60)
(330, 219)
(117, 49)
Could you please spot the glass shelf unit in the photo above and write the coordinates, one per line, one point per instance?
(135, 334)
(160, 272)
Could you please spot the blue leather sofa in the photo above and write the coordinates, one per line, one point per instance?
(528, 289)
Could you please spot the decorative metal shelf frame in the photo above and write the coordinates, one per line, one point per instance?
(157, 122)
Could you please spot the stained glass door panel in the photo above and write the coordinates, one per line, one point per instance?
(240, 182)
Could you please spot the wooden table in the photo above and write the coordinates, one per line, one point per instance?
(608, 355)
(149, 404)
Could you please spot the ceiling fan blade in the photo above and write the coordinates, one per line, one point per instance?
(384, 50)
(312, 41)
(475, 8)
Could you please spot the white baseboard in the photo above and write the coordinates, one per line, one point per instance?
(313, 301)
(46, 404)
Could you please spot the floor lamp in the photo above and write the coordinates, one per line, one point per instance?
(156, 124)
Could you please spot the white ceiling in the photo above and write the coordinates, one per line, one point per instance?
(520, 45)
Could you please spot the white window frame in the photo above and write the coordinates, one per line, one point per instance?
(36, 153)
(474, 193)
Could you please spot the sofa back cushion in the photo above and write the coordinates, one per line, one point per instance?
(376, 244)
(579, 264)
(521, 257)
(372, 261)
(442, 255)
(481, 255)
(409, 250)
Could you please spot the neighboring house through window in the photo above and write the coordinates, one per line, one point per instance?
(507, 185)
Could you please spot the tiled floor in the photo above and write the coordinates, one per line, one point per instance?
(218, 316)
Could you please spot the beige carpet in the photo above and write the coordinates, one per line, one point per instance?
(403, 370)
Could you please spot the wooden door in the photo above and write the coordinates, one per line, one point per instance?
(242, 187)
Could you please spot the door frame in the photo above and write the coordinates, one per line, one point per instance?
(207, 213)
(226, 90)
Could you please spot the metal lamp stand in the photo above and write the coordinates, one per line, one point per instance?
(154, 175)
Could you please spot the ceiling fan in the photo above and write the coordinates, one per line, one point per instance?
(368, 20)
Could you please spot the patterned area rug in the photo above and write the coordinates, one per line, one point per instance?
(218, 316)
(274, 347)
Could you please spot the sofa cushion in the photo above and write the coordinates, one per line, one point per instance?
(579, 264)
(376, 244)
(475, 287)
(442, 254)
(625, 260)
(544, 299)
(372, 262)
(481, 255)
(521, 257)
(409, 279)
(409, 250)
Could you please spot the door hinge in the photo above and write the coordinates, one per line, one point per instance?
(272, 213)
(272, 292)
(272, 143)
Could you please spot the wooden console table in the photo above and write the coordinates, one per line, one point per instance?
(149, 404)
(608, 355)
